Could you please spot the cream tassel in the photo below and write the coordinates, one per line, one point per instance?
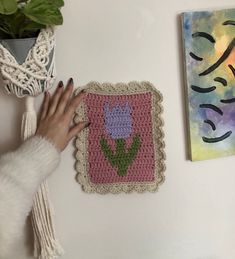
(46, 245)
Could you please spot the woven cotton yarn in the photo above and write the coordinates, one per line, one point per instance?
(30, 79)
(37, 73)
(123, 148)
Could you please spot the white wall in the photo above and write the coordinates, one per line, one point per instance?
(193, 214)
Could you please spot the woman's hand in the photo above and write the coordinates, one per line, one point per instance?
(57, 114)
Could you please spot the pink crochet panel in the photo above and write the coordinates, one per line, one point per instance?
(141, 168)
(123, 149)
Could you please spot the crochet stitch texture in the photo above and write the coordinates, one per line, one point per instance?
(123, 149)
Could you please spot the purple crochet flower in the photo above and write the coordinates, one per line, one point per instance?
(118, 121)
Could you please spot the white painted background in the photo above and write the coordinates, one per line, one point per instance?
(193, 214)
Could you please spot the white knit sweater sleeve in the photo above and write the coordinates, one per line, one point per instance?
(21, 173)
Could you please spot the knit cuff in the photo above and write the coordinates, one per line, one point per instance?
(41, 154)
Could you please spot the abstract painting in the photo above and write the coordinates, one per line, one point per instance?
(209, 41)
(123, 149)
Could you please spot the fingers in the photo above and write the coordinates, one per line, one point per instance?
(74, 104)
(45, 105)
(65, 97)
(59, 103)
(55, 99)
(77, 128)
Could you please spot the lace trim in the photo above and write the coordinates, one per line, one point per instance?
(159, 145)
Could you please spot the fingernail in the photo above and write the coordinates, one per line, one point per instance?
(60, 84)
(83, 91)
(87, 124)
(70, 81)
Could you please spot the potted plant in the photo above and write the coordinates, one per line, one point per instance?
(27, 67)
(22, 20)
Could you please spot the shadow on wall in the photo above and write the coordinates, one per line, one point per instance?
(10, 106)
(182, 84)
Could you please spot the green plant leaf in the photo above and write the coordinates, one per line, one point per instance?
(8, 6)
(7, 25)
(13, 23)
(30, 28)
(43, 12)
(3, 33)
(57, 3)
(17, 25)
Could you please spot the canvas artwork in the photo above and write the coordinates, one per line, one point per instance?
(209, 40)
(123, 149)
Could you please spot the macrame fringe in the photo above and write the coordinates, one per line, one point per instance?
(31, 78)
(46, 246)
(29, 119)
(37, 73)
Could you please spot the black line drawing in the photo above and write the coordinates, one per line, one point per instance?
(204, 35)
(195, 56)
(232, 100)
(220, 60)
(212, 107)
(202, 90)
(229, 22)
(221, 80)
(232, 69)
(211, 123)
(217, 139)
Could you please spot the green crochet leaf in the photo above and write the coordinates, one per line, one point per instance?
(108, 153)
(121, 158)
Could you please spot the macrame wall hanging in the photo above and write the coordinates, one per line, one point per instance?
(29, 79)
(123, 148)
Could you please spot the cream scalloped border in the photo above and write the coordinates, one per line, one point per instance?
(159, 145)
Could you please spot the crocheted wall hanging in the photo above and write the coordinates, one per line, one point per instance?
(123, 149)
(35, 75)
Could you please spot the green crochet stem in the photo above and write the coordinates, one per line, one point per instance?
(121, 158)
